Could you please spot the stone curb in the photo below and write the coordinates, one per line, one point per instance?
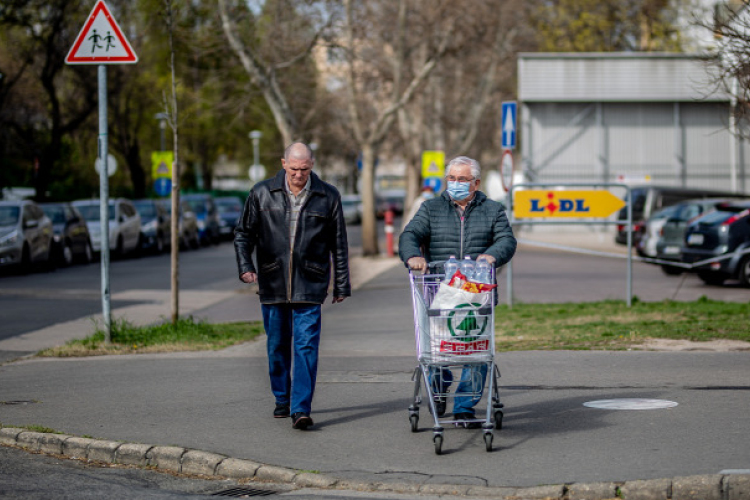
(196, 462)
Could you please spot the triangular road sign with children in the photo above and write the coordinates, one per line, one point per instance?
(101, 41)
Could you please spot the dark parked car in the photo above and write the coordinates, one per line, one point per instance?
(389, 200)
(648, 199)
(71, 240)
(207, 215)
(25, 235)
(724, 232)
(672, 232)
(155, 225)
(188, 224)
(230, 208)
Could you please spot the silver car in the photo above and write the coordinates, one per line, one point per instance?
(124, 225)
(25, 235)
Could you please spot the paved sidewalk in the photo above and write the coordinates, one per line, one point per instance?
(208, 413)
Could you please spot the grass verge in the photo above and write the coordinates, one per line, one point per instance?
(611, 325)
(186, 335)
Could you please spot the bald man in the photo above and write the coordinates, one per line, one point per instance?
(295, 226)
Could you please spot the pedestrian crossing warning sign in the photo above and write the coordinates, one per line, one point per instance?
(433, 164)
(101, 41)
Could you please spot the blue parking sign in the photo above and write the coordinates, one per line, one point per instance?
(436, 183)
(163, 186)
(508, 124)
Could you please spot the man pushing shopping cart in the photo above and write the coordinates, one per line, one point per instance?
(456, 333)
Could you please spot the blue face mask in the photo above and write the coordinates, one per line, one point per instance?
(458, 190)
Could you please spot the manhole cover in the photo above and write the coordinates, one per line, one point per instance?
(630, 404)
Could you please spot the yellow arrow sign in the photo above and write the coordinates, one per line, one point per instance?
(559, 204)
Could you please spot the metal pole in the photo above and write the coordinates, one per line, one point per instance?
(733, 136)
(509, 276)
(630, 249)
(162, 128)
(104, 203)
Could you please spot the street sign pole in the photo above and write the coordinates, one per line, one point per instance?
(104, 203)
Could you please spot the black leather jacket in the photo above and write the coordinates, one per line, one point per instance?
(302, 273)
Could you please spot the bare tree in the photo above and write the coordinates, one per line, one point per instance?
(378, 85)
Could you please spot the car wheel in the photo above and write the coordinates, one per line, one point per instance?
(66, 254)
(710, 278)
(120, 249)
(744, 273)
(24, 267)
(88, 253)
(159, 243)
(671, 270)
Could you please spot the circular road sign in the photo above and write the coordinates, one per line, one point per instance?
(111, 165)
(506, 169)
(257, 173)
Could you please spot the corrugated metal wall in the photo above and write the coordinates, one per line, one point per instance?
(594, 117)
(568, 144)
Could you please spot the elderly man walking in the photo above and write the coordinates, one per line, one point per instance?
(295, 225)
(460, 222)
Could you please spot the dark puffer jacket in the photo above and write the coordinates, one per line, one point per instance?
(440, 231)
(302, 273)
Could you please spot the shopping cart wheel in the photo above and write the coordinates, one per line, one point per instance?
(498, 420)
(438, 440)
(414, 419)
(488, 441)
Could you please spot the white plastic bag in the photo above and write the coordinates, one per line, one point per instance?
(448, 297)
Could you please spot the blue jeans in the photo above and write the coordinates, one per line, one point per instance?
(472, 381)
(293, 332)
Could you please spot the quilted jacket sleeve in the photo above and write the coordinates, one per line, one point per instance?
(503, 243)
(415, 235)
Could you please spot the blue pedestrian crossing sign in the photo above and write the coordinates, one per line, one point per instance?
(163, 186)
(508, 124)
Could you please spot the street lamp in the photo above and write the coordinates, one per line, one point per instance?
(162, 117)
(257, 171)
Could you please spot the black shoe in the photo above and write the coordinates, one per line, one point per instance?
(301, 421)
(467, 416)
(281, 411)
(440, 406)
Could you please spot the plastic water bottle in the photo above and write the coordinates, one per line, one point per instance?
(467, 267)
(483, 272)
(450, 266)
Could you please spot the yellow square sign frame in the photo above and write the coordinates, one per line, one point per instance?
(433, 164)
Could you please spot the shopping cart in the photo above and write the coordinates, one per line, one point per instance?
(459, 340)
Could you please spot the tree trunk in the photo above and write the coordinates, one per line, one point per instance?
(369, 221)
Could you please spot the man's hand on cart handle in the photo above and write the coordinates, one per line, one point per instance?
(249, 277)
(488, 258)
(417, 264)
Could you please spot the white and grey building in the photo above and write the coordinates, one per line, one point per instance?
(609, 117)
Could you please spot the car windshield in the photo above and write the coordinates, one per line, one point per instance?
(55, 213)
(665, 213)
(197, 206)
(228, 206)
(9, 216)
(146, 210)
(91, 212)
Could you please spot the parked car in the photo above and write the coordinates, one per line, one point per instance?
(230, 208)
(71, 240)
(352, 207)
(389, 200)
(124, 225)
(26, 235)
(648, 199)
(646, 246)
(188, 223)
(721, 232)
(156, 226)
(208, 217)
(673, 229)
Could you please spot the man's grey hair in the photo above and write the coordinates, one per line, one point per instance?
(476, 170)
(298, 151)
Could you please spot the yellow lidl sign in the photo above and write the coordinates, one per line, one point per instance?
(574, 204)
(433, 164)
